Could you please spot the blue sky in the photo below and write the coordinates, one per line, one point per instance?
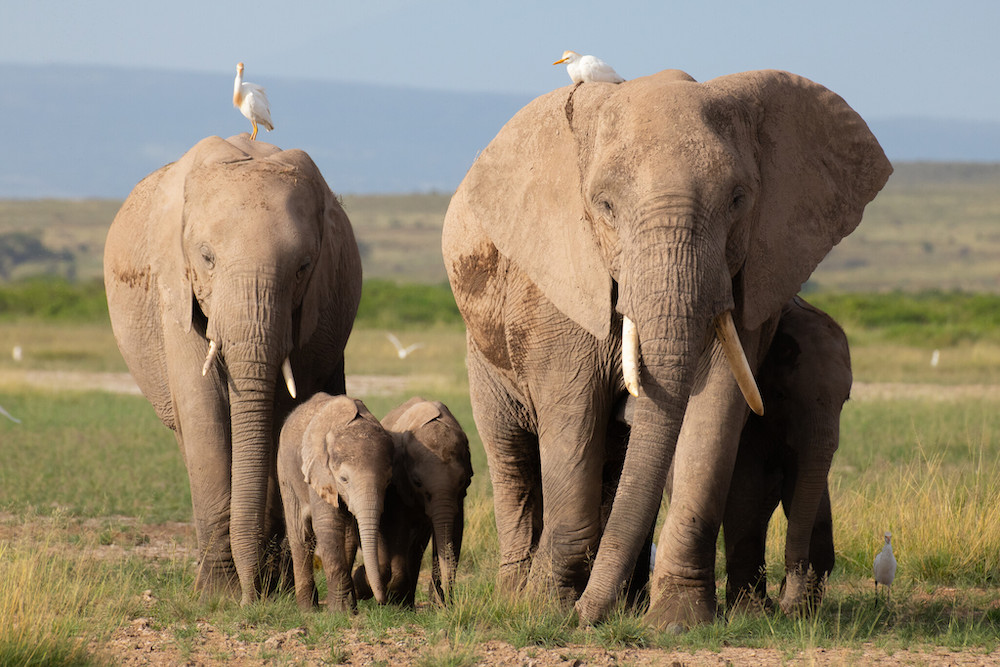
(886, 57)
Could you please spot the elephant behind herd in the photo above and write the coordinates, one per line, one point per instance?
(675, 206)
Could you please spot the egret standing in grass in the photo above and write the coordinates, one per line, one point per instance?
(585, 69)
(885, 565)
(251, 100)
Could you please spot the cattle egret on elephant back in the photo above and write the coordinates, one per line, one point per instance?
(585, 69)
(251, 100)
(885, 565)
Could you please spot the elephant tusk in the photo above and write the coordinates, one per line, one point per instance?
(725, 331)
(630, 356)
(213, 351)
(286, 372)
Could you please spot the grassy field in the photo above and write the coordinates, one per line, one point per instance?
(90, 479)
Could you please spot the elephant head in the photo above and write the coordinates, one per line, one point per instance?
(679, 205)
(433, 472)
(347, 459)
(250, 254)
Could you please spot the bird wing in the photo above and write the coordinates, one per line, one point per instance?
(413, 347)
(255, 105)
(595, 69)
(395, 342)
(9, 416)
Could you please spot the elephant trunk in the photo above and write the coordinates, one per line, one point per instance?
(254, 340)
(673, 301)
(447, 549)
(368, 514)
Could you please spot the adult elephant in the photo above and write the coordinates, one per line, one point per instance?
(684, 207)
(224, 270)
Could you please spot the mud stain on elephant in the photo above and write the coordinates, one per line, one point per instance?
(133, 278)
(476, 277)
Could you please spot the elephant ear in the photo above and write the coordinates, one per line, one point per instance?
(417, 415)
(166, 225)
(329, 285)
(820, 165)
(320, 454)
(525, 192)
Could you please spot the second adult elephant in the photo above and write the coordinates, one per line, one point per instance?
(223, 270)
(684, 207)
(785, 455)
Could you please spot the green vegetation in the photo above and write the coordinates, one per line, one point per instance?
(385, 304)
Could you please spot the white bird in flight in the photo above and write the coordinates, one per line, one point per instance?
(584, 69)
(9, 416)
(885, 564)
(402, 352)
(251, 100)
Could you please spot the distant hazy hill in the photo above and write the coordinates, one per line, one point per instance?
(95, 132)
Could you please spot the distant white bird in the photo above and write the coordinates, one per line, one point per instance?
(885, 565)
(403, 352)
(9, 416)
(584, 69)
(935, 358)
(17, 353)
(251, 100)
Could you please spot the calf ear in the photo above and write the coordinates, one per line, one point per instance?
(318, 466)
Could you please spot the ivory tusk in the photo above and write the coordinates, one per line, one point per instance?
(630, 356)
(213, 351)
(286, 372)
(725, 331)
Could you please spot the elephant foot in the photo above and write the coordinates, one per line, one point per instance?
(513, 577)
(748, 601)
(218, 580)
(674, 607)
(801, 591)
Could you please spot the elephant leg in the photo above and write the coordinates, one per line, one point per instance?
(754, 494)
(302, 545)
(333, 526)
(682, 591)
(804, 494)
(572, 438)
(512, 455)
(201, 408)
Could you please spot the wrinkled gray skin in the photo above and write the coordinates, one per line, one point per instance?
(334, 466)
(671, 202)
(786, 456)
(432, 469)
(243, 243)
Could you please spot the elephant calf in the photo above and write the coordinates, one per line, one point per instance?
(431, 471)
(334, 466)
(786, 455)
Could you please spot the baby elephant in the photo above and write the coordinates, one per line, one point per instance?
(431, 472)
(334, 465)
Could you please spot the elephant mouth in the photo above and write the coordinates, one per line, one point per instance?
(286, 367)
(725, 331)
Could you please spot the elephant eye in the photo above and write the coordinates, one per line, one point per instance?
(207, 256)
(343, 479)
(739, 197)
(301, 273)
(417, 483)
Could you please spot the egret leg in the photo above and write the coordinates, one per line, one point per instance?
(254, 135)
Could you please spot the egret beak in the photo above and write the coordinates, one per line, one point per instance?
(560, 61)
(725, 331)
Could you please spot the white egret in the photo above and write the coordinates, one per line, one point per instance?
(584, 69)
(402, 352)
(885, 565)
(251, 100)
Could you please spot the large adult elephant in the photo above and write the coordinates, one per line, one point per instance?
(225, 270)
(685, 207)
